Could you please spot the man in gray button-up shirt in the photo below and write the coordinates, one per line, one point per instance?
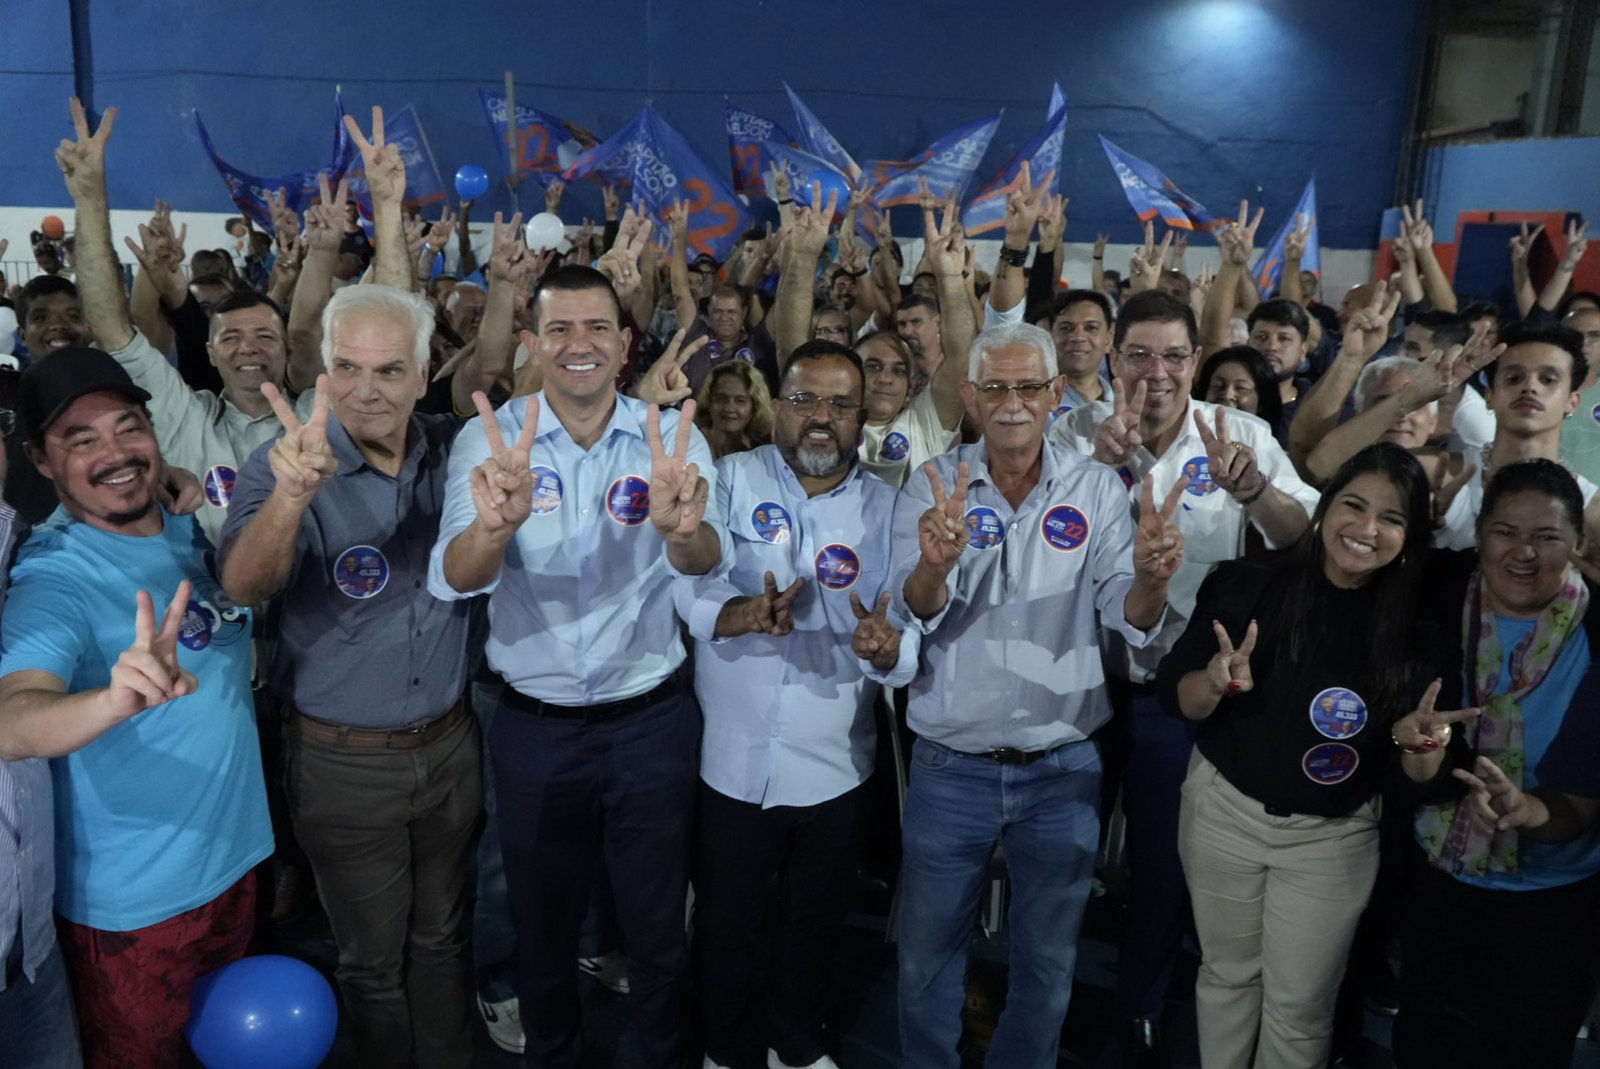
(336, 519)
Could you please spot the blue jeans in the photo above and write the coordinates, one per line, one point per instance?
(37, 1029)
(958, 808)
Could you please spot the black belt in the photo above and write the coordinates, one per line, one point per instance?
(1006, 756)
(521, 702)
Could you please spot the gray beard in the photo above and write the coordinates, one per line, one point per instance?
(818, 465)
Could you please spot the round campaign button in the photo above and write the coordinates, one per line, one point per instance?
(219, 485)
(896, 446)
(1594, 413)
(1338, 713)
(1059, 411)
(1198, 469)
(838, 566)
(771, 521)
(1064, 527)
(628, 500)
(546, 489)
(198, 624)
(744, 353)
(1126, 476)
(985, 529)
(361, 572)
(1330, 763)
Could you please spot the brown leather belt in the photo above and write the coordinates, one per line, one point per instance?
(408, 737)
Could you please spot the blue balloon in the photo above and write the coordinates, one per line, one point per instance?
(472, 181)
(265, 1012)
(831, 183)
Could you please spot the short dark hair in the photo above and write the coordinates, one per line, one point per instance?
(755, 233)
(1447, 328)
(211, 278)
(572, 278)
(1282, 312)
(41, 286)
(245, 298)
(1480, 310)
(822, 349)
(1540, 476)
(1071, 297)
(729, 289)
(1153, 306)
(1562, 337)
(917, 300)
(1576, 295)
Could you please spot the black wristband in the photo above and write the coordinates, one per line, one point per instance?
(1014, 257)
(785, 200)
(856, 274)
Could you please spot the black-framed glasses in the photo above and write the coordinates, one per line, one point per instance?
(1175, 359)
(806, 404)
(1028, 391)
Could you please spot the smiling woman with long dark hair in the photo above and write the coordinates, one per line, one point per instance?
(1299, 663)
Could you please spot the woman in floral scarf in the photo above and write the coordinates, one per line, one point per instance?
(1497, 957)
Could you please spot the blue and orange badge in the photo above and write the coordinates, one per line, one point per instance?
(219, 485)
(1330, 763)
(628, 500)
(1064, 528)
(896, 446)
(838, 566)
(361, 572)
(1198, 469)
(985, 528)
(547, 489)
(1338, 713)
(771, 522)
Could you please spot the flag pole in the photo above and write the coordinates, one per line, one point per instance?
(433, 163)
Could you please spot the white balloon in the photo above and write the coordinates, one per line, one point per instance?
(545, 231)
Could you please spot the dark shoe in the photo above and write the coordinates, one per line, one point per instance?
(1143, 1045)
(293, 892)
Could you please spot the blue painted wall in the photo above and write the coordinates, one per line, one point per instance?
(1231, 97)
(1542, 174)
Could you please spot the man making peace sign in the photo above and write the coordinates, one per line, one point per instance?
(570, 511)
(336, 518)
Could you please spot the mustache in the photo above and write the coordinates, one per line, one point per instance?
(1020, 419)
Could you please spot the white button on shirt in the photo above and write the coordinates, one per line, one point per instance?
(1213, 524)
(581, 612)
(1013, 660)
(789, 719)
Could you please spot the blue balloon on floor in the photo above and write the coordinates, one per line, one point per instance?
(472, 181)
(266, 1012)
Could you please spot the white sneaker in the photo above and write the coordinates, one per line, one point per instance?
(504, 1022)
(775, 1062)
(610, 969)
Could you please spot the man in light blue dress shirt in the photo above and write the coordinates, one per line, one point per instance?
(1010, 575)
(577, 531)
(792, 642)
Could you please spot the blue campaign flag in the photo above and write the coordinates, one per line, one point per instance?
(947, 166)
(251, 193)
(1153, 194)
(423, 187)
(658, 164)
(815, 139)
(986, 211)
(1058, 99)
(1270, 270)
(545, 144)
(805, 170)
(748, 135)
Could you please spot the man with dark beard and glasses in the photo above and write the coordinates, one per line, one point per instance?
(160, 803)
(792, 642)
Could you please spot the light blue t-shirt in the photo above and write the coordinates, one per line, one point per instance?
(1542, 865)
(167, 810)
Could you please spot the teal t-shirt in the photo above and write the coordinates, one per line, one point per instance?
(1542, 865)
(167, 810)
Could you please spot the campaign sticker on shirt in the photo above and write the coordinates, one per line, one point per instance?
(895, 446)
(1330, 763)
(771, 521)
(198, 624)
(1594, 413)
(1338, 713)
(1198, 469)
(628, 500)
(219, 485)
(546, 489)
(744, 353)
(361, 572)
(838, 567)
(1126, 476)
(985, 529)
(1065, 527)
(1060, 410)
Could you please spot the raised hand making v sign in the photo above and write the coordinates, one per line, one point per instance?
(678, 495)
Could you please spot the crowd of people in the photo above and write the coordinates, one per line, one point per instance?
(507, 602)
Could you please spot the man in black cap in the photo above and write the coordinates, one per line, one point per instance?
(160, 795)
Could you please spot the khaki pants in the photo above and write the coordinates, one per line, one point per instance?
(1276, 901)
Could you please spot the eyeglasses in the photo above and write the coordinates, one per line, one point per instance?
(806, 404)
(1028, 391)
(1173, 358)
